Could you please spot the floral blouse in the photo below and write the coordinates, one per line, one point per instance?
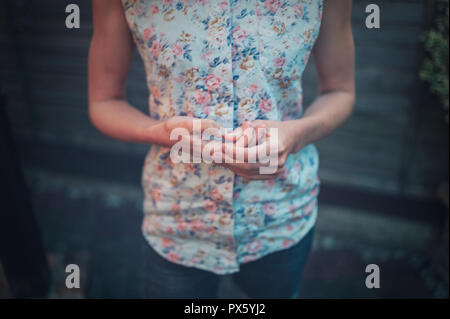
(229, 61)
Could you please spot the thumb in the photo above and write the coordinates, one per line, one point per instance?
(214, 128)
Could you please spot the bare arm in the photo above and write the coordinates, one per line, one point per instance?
(110, 56)
(334, 57)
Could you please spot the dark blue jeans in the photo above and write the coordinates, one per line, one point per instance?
(273, 276)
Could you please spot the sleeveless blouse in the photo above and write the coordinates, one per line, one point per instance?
(229, 61)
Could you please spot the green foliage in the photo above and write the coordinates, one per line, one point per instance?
(435, 67)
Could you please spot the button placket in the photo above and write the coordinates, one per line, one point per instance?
(224, 53)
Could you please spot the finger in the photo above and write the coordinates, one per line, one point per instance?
(248, 138)
(260, 132)
(252, 172)
(258, 153)
(208, 123)
(234, 135)
(237, 133)
(191, 123)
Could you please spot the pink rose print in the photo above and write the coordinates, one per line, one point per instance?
(265, 105)
(273, 5)
(253, 88)
(212, 82)
(239, 34)
(269, 184)
(254, 246)
(203, 97)
(201, 2)
(182, 225)
(286, 243)
(190, 169)
(299, 10)
(223, 5)
(269, 209)
(315, 191)
(173, 256)
(211, 231)
(167, 242)
(198, 225)
(210, 206)
(178, 50)
(206, 109)
(156, 92)
(195, 260)
(156, 48)
(169, 230)
(154, 9)
(216, 195)
(309, 208)
(205, 55)
(259, 14)
(279, 62)
(148, 33)
(140, 10)
(175, 208)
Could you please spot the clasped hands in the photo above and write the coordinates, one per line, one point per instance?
(256, 150)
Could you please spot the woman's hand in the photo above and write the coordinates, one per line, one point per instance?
(187, 123)
(258, 150)
(180, 129)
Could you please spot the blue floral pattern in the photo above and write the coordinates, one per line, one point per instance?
(229, 61)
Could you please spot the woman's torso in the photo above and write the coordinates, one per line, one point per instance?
(230, 61)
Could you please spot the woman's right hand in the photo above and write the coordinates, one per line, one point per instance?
(187, 122)
(167, 133)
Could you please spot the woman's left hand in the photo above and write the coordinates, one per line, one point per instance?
(258, 150)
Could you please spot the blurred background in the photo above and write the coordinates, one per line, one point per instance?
(71, 195)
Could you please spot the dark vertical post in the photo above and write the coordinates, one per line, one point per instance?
(21, 250)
